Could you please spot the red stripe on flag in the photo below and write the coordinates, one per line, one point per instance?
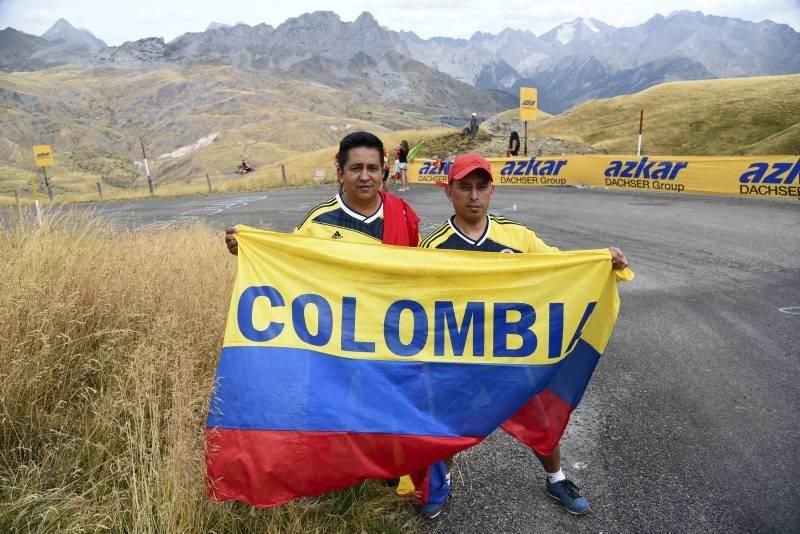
(267, 467)
(541, 422)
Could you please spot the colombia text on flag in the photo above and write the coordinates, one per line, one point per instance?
(343, 362)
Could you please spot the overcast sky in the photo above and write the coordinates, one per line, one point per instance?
(117, 22)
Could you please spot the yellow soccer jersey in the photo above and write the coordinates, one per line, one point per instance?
(334, 220)
(501, 235)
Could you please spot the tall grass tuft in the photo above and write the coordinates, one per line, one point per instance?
(108, 345)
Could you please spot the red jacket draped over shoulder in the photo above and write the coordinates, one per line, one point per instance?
(400, 222)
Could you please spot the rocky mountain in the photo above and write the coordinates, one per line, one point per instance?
(455, 57)
(593, 57)
(59, 45)
(725, 46)
(360, 56)
(64, 31)
(263, 47)
(577, 30)
(497, 74)
(586, 58)
(151, 50)
(575, 79)
(520, 49)
(17, 50)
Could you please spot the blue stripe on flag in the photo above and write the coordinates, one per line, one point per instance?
(276, 388)
(571, 380)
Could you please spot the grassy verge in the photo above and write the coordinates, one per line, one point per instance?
(703, 118)
(300, 170)
(108, 345)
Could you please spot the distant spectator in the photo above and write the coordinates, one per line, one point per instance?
(472, 129)
(513, 145)
(403, 159)
(386, 168)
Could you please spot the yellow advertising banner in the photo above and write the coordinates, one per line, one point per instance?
(528, 103)
(43, 155)
(758, 176)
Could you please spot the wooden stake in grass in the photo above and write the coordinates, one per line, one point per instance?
(36, 200)
(147, 169)
(641, 122)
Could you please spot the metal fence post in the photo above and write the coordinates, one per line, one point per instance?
(283, 172)
(208, 181)
(47, 184)
(99, 191)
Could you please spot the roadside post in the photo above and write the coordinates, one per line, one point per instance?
(208, 181)
(147, 169)
(43, 154)
(36, 201)
(641, 123)
(528, 107)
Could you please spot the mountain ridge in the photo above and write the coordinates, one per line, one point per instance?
(683, 43)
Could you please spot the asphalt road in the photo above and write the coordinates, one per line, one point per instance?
(692, 420)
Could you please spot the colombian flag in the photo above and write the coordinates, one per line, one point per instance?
(344, 362)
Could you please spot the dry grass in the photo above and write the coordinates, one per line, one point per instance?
(710, 117)
(512, 115)
(108, 345)
(269, 178)
(300, 170)
(94, 118)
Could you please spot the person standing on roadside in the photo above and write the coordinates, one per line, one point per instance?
(513, 145)
(402, 158)
(386, 169)
(470, 189)
(360, 212)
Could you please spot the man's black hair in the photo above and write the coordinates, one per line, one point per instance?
(358, 140)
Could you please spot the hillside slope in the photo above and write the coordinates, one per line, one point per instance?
(754, 115)
(193, 121)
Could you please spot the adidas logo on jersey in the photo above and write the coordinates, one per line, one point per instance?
(337, 235)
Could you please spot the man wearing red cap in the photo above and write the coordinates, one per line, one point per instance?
(470, 190)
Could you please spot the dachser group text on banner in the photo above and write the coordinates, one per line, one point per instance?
(753, 176)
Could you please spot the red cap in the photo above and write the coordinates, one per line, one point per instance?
(467, 163)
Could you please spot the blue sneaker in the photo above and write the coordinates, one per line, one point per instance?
(569, 495)
(431, 510)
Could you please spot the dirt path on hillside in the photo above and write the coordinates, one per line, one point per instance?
(492, 141)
